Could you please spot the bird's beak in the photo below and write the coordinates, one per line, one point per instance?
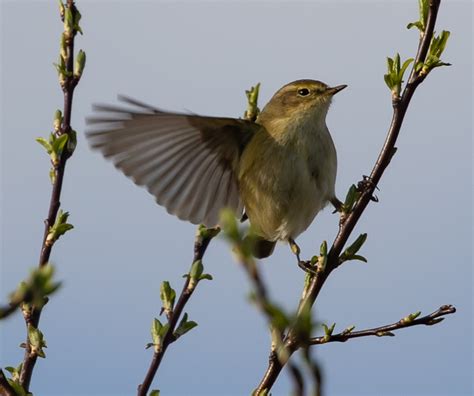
(334, 90)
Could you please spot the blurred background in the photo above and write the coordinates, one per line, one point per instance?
(201, 56)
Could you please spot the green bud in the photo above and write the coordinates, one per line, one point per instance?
(58, 120)
(252, 98)
(168, 296)
(410, 318)
(61, 8)
(36, 341)
(68, 24)
(79, 64)
(59, 228)
(63, 48)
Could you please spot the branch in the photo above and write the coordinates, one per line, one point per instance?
(428, 320)
(203, 238)
(367, 188)
(5, 387)
(69, 76)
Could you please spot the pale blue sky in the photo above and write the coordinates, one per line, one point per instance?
(201, 56)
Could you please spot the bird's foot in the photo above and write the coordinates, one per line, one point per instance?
(304, 265)
(367, 184)
(307, 267)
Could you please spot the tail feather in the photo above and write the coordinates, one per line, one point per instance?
(262, 248)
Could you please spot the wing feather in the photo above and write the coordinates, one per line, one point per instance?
(187, 162)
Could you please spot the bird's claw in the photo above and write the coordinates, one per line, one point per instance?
(367, 185)
(307, 267)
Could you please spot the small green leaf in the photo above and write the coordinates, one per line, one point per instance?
(356, 245)
(206, 276)
(328, 330)
(68, 23)
(154, 392)
(404, 67)
(184, 326)
(61, 8)
(359, 258)
(196, 271)
(228, 223)
(45, 144)
(168, 296)
(59, 143)
(351, 197)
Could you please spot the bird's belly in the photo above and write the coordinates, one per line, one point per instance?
(282, 201)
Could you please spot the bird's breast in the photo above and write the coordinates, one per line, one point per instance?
(284, 186)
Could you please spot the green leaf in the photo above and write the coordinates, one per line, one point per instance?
(168, 296)
(279, 318)
(156, 329)
(228, 223)
(196, 270)
(359, 258)
(37, 341)
(416, 24)
(45, 144)
(184, 326)
(328, 330)
(206, 276)
(404, 67)
(68, 23)
(351, 197)
(59, 143)
(356, 245)
(154, 392)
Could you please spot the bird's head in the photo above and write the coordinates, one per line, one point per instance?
(300, 100)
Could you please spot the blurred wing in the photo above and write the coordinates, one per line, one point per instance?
(187, 162)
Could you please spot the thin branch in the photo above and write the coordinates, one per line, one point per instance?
(7, 310)
(5, 387)
(200, 245)
(32, 318)
(428, 320)
(367, 187)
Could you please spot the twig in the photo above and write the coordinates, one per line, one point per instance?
(200, 245)
(5, 387)
(428, 320)
(70, 81)
(368, 187)
(7, 310)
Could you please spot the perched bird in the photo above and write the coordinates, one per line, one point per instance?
(280, 169)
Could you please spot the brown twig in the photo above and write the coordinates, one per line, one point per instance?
(368, 186)
(428, 320)
(200, 245)
(32, 318)
(5, 387)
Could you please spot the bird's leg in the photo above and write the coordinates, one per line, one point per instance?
(304, 265)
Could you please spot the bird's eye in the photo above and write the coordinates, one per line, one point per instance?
(303, 92)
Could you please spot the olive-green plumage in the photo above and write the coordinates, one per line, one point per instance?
(280, 169)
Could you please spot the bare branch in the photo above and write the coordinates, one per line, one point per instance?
(386, 330)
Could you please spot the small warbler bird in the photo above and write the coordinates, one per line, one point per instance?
(280, 169)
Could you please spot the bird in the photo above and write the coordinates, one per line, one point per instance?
(278, 171)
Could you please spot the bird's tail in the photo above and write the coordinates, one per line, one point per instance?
(262, 248)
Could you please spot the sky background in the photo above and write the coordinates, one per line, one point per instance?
(201, 56)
